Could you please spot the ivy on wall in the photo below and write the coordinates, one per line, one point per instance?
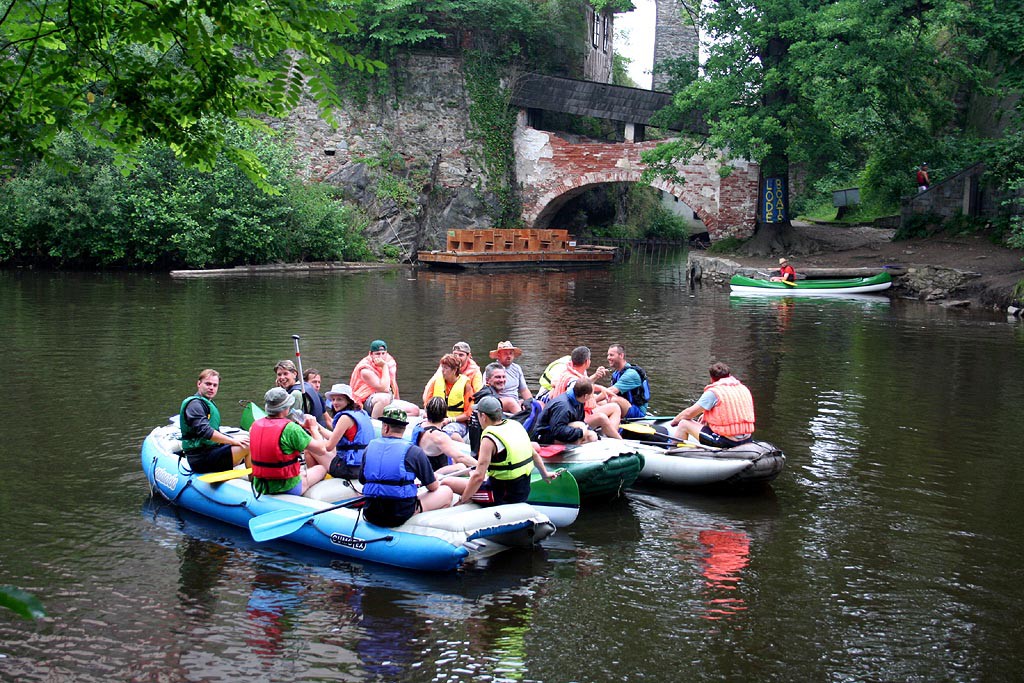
(493, 124)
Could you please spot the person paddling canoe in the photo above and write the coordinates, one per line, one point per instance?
(786, 272)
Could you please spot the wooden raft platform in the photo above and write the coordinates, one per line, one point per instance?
(505, 248)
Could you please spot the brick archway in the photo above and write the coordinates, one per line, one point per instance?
(551, 171)
(549, 204)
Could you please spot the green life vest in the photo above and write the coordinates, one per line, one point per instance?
(518, 460)
(190, 441)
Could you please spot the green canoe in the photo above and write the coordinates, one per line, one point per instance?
(741, 284)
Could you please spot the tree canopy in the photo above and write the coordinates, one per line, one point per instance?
(121, 71)
(848, 87)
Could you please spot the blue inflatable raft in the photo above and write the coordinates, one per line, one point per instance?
(438, 540)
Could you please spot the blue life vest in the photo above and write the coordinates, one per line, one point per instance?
(352, 451)
(640, 396)
(312, 401)
(384, 469)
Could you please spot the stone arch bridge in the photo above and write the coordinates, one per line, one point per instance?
(552, 169)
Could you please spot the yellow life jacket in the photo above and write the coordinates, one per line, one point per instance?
(517, 459)
(456, 396)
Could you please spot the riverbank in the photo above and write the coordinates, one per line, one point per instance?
(966, 271)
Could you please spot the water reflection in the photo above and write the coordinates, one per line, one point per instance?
(323, 615)
(273, 599)
(836, 429)
(726, 555)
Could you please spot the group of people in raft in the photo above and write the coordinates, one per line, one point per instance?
(291, 449)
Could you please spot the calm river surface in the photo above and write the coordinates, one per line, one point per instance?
(890, 549)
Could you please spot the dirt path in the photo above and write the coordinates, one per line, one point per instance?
(999, 269)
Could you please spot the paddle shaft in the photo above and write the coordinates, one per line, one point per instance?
(298, 360)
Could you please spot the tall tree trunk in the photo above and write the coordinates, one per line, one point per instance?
(773, 232)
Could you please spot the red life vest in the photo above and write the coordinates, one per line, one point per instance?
(268, 460)
(733, 415)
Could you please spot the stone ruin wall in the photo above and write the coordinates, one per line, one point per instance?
(424, 119)
(674, 37)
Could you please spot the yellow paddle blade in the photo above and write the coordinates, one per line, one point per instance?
(638, 428)
(218, 477)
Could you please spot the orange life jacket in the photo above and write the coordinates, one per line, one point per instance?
(570, 375)
(733, 415)
(360, 389)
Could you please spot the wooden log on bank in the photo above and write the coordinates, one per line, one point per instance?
(831, 273)
(284, 268)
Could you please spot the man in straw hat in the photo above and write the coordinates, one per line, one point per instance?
(515, 382)
(391, 466)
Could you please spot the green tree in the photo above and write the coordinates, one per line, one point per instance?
(120, 71)
(164, 214)
(836, 86)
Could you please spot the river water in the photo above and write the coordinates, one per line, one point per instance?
(890, 548)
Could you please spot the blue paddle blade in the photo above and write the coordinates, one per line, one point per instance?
(276, 524)
(280, 523)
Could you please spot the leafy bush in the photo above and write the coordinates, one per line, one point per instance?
(163, 214)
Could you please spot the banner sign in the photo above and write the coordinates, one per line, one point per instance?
(774, 201)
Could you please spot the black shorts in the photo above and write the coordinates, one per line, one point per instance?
(390, 511)
(709, 438)
(340, 470)
(503, 491)
(214, 459)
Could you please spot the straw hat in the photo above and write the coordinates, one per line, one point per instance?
(507, 346)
